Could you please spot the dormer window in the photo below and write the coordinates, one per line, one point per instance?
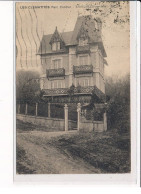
(83, 41)
(56, 41)
(55, 46)
(82, 36)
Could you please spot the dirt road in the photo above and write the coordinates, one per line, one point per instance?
(44, 158)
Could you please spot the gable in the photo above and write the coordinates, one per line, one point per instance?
(89, 25)
(85, 26)
(83, 33)
(45, 46)
(56, 37)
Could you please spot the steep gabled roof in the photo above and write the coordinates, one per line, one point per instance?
(92, 27)
(89, 24)
(56, 37)
(82, 32)
(45, 46)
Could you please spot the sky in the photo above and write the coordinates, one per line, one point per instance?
(35, 19)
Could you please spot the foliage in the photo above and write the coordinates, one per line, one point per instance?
(27, 86)
(118, 110)
(71, 90)
(78, 88)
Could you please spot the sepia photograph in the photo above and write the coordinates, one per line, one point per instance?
(72, 87)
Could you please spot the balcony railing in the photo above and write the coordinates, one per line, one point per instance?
(55, 72)
(82, 69)
(56, 91)
(81, 90)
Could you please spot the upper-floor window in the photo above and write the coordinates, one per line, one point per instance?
(57, 84)
(86, 82)
(83, 83)
(56, 63)
(83, 41)
(55, 46)
(83, 60)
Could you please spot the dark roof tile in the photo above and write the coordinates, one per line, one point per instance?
(45, 46)
(92, 26)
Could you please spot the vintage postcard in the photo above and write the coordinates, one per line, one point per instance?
(73, 88)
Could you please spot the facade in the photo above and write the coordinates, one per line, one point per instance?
(74, 60)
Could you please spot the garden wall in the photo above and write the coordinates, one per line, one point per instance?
(45, 121)
(97, 126)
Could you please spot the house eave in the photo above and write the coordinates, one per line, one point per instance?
(76, 94)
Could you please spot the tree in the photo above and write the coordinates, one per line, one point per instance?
(118, 110)
(28, 87)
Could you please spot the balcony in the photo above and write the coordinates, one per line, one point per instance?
(56, 92)
(64, 91)
(81, 91)
(55, 72)
(82, 69)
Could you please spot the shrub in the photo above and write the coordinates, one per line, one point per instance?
(119, 103)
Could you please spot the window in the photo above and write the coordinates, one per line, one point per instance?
(83, 60)
(52, 85)
(55, 46)
(57, 84)
(56, 63)
(85, 82)
(58, 45)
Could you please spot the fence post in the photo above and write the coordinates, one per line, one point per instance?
(48, 110)
(78, 116)
(19, 106)
(105, 121)
(36, 109)
(66, 117)
(26, 109)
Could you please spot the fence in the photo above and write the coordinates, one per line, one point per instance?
(57, 111)
(22, 108)
(41, 109)
(31, 109)
(68, 117)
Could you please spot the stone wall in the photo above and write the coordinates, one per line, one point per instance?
(47, 122)
(88, 126)
(43, 121)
